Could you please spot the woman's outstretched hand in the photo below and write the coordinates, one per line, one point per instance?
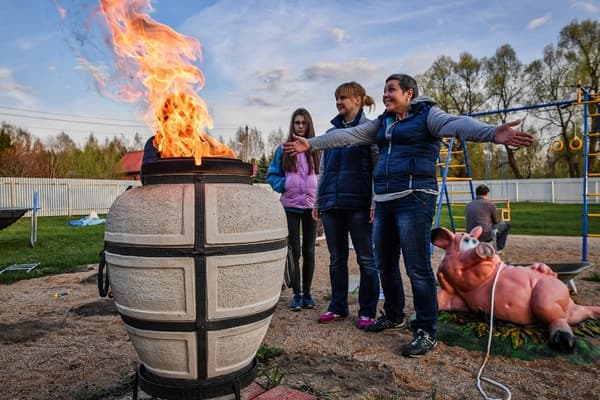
(299, 145)
(506, 135)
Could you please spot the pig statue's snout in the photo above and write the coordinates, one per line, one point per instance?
(485, 250)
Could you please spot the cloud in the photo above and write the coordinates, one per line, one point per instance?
(339, 71)
(537, 22)
(12, 90)
(271, 80)
(259, 101)
(389, 14)
(585, 6)
(338, 34)
(264, 59)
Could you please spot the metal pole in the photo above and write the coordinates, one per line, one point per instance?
(246, 145)
(531, 107)
(586, 98)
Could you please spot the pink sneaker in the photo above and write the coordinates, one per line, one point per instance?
(364, 322)
(330, 317)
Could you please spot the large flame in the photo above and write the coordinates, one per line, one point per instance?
(163, 61)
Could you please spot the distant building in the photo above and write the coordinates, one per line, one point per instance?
(131, 164)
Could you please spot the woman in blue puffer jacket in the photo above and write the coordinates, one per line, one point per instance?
(295, 177)
(408, 135)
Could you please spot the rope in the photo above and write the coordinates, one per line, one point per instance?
(489, 345)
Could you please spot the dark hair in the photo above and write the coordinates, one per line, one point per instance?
(355, 89)
(288, 162)
(406, 82)
(482, 190)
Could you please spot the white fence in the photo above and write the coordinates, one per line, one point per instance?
(62, 196)
(81, 196)
(560, 191)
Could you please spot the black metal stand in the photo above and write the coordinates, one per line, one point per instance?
(135, 386)
(179, 389)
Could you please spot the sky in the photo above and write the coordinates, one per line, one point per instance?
(262, 59)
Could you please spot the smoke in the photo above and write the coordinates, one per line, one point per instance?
(87, 35)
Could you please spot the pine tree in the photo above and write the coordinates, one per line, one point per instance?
(263, 167)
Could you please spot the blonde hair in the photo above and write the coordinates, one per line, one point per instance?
(355, 89)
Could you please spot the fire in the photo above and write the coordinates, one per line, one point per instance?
(163, 61)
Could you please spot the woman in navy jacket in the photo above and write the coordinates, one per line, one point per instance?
(344, 204)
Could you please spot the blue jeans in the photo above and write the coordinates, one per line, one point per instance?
(403, 226)
(503, 228)
(305, 224)
(337, 224)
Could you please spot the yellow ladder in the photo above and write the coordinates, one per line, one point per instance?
(591, 212)
(453, 166)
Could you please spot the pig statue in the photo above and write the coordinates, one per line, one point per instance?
(523, 295)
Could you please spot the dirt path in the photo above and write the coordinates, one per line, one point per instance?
(75, 346)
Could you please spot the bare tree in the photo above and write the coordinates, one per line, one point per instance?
(581, 43)
(470, 75)
(439, 82)
(458, 88)
(549, 78)
(247, 144)
(138, 143)
(60, 153)
(5, 138)
(505, 86)
(22, 156)
(275, 139)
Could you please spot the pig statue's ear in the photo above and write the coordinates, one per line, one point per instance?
(476, 232)
(441, 237)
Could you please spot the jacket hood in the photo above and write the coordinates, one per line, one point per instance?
(420, 103)
(421, 100)
(416, 105)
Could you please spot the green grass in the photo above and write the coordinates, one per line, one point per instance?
(544, 219)
(552, 219)
(59, 248)
(62, 248)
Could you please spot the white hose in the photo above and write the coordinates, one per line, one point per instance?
(489, 345)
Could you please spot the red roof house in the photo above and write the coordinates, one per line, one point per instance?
(131, 164)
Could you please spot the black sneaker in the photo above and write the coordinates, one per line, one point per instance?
(383, 323)
(421, 344)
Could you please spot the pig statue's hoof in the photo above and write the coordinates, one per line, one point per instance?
(563, 341)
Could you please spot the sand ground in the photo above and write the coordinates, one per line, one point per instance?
(75, 347)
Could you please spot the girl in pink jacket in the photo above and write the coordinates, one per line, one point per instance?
(295, 177)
